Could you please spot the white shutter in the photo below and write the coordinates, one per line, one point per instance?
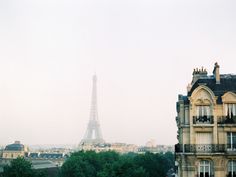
(226, 109)
(202, 107)
(234, 109)
(230, 110)
(208, 110)
(204, 138)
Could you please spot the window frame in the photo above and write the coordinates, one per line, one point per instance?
(202, 168)
(232, 166)
(231, 141)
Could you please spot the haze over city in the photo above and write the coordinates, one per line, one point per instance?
(143, 53)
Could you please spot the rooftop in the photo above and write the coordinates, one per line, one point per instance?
(15, 147)
(227, 83)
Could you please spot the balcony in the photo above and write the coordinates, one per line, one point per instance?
(231, 147)
(226, 120)
(201, 148)
(203, 119)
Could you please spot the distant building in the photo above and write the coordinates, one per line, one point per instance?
(49, 159)
(55, 158)
(206, 120)
(151, 143)
(117, 147)
(156, 149)
(12, 151)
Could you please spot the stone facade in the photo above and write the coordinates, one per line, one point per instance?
(206, 120)
(12, 151)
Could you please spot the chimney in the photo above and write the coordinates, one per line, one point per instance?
(216, 73)
(199, 73)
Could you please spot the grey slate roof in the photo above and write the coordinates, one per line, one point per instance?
(227, 83)
(14, 147)
(51, 155)
(34, 155)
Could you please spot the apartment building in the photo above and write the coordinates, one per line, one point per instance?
(206, 121)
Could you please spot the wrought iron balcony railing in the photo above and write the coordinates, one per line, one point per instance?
(206, 175)
(226, 120)
(201, 148)
(203, 119)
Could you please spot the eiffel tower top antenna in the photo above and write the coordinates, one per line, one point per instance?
(93, 109)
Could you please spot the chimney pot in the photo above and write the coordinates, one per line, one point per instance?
(216, 73)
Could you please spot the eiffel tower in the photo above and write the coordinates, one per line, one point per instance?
(93, 133)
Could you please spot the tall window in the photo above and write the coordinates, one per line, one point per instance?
(204, 142)
(203, 111)
(231, 140)
(204, 169)
(230, 110)
(203, 114)
(231, 168)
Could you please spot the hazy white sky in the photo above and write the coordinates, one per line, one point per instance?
(143, 52)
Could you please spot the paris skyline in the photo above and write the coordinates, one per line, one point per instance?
(143, 53)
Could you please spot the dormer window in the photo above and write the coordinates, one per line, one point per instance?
(230, 110)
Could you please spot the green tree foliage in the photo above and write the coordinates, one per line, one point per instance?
(155, 164)
(18, 168)
(103, 164)
(124, 167)
(81, 164)
(111, 164)
(40, 173)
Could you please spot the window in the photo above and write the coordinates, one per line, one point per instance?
(230, 110)
(204, 142)
(203, 114)
(231, 168)
(204, 169)
(203, 111)
(231, 140)
(204, 138)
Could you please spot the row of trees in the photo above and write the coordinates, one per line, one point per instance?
(111, 164)
(21, 168)
(103, 164)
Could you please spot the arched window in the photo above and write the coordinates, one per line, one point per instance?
(231, 168)
(204, 169)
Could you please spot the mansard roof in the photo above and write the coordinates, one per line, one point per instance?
(227, 83)
(51, 155)
(14, 147)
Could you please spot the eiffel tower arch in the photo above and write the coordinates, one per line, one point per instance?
(93, 134)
